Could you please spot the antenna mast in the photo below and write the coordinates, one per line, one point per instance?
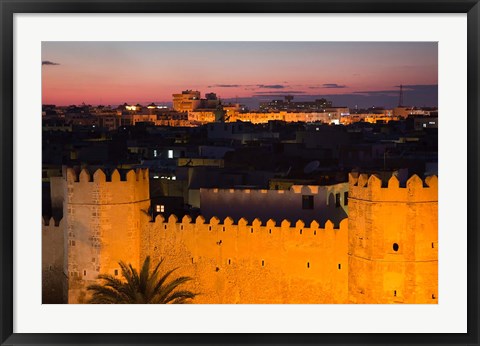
(400, 99)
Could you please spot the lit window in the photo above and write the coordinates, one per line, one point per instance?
(155, 153)
(170, 154)
(160, 208)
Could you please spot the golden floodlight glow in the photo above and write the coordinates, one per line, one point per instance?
(131, 108)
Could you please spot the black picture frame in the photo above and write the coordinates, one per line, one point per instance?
(10, 7)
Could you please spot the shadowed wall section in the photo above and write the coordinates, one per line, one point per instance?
(327, 203)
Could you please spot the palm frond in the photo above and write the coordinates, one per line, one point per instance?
(144, 287)
(179, 295)
(163, 294)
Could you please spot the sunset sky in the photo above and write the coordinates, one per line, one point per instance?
(363, 74)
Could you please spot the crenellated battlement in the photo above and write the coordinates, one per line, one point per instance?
(97, 188)
(99, 176)
(364, 187)
(242, 222)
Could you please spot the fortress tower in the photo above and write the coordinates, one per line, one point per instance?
(103, 220)
(393, 240)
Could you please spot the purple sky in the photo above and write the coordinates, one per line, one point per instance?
(349, 73)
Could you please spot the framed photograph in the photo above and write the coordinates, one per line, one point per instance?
(243, 172)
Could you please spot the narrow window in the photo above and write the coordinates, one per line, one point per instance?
(337, 200)
(181, 227)
(84, 273)
(263, 263)
(433, 296)
(160, 208)
(270, 231)
(116, 272)
(251, 230)
(395, 247)
(314, 232)
(307, 202)
(229, 261)
(433, 246)
(308, 264)
(339, 266)
(394, 293)
(224, 229)
(345, 198)
(192, 259)
(301, 231)
(209, 228)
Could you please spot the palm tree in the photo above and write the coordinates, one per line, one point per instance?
(143, 288)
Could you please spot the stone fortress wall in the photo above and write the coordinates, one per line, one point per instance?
(251, 262)
(247, 261)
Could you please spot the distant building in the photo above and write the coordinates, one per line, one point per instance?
(190, 100)
(288, 105)
(428, 122)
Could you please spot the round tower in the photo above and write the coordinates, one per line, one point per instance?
(103, 225)
(393, 240)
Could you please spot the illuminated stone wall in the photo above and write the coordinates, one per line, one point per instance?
(247, 262)
(393, 240)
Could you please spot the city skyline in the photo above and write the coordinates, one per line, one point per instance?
(348, 73)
